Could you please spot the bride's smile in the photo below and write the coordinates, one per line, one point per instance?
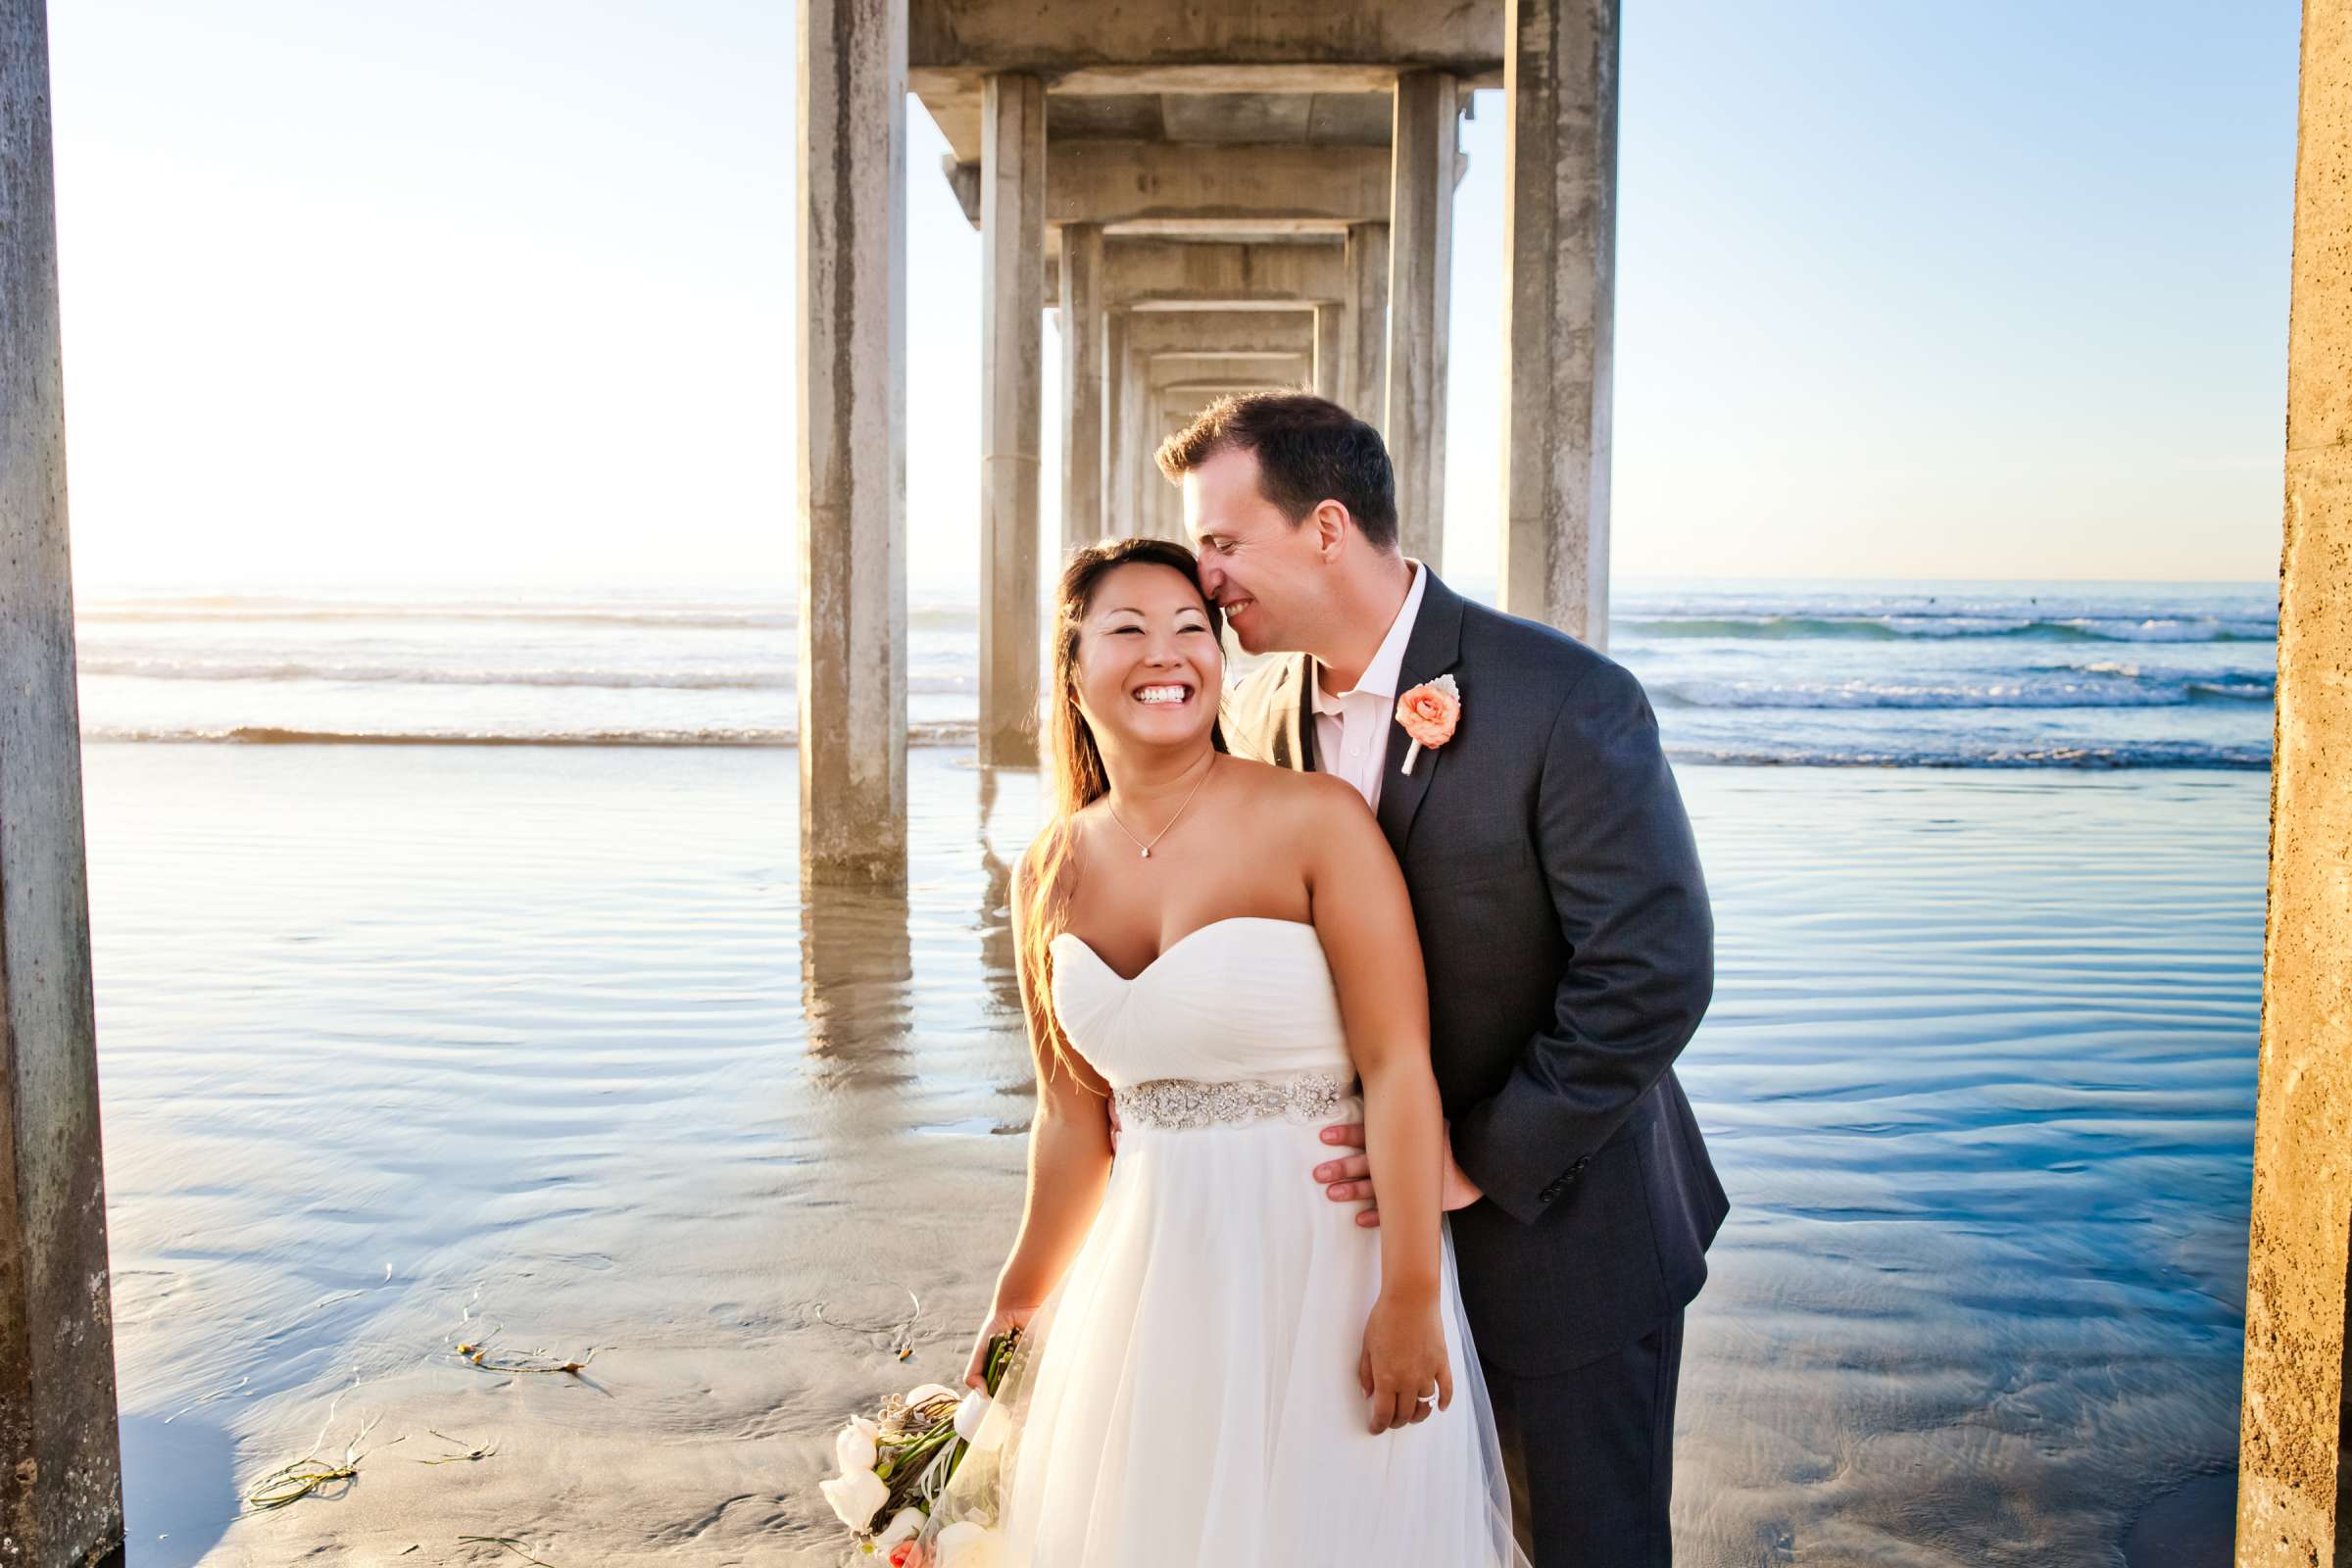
(1150, 669)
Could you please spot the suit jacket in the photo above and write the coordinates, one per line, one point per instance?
(1570, 951)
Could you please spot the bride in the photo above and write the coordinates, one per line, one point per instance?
(1224, 1366)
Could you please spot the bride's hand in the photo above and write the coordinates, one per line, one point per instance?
(1404, 1359)
(1003, 1319)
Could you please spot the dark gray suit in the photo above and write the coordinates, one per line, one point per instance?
(1570, 951)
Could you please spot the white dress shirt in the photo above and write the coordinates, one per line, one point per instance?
(1352, 728)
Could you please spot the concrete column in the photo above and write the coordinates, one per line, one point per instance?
(1366, 391)
(2293, 1485)
(61, 1468)
(1110, 509)
(1013, 245)
(1081, 316)
(1164, 502)
(1331, 351)
(1137, 473)
(1560, 238)
(1420, 288)
(852, 333)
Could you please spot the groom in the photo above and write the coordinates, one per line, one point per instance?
(1566, 931)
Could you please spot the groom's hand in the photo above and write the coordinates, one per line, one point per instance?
(1350, 1179)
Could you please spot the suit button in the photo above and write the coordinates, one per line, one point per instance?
(1552, 1192)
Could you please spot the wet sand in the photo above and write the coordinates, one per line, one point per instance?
(403, 1046)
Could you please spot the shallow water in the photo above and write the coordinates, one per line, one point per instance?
(397, 1042)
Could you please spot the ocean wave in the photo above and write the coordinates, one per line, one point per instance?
(771, 679)
(2108, 688)
(526, 615)
(2149, 755)
(1899, 628)
(942, 733)
(2193, 755)
(683, 617)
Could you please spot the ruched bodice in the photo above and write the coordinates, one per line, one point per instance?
(1245, 997)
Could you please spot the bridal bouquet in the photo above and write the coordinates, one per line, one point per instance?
(896, 1466)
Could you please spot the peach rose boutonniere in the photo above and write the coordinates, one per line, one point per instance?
(1429, 712)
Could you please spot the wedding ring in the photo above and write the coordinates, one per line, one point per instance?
(1429, 1399)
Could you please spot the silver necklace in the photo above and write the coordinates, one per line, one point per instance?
(1144, 847)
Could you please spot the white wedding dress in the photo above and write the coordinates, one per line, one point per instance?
(1192, 1398)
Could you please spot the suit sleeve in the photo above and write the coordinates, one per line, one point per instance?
(1616, 850)
(1241, 716)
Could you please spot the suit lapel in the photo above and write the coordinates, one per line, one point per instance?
(1435, 647)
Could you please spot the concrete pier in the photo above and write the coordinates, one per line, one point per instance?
(852, 441)
(1420, 296)
(2294, 1468)
(61, 1471)
(1331, 350)
(1012, 235)
(1133, 164)
(1559, 309)
(1365, 389)
(1081, 321)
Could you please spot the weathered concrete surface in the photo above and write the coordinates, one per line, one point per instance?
(1285, 331)
(1420, 293)
(1176, 275)
(1081, 322)
(2292, 1489)
(1114, 508)
(1560, 238)
(851, 328)
(1314, 117)
(1013, 240)
(1331, 350)
(1056, 37)
(1169, 371)
(1127, 182)
(1183, 192)
(1133, 437)
(1212, 79)
(61, 1481)
(1365, 389)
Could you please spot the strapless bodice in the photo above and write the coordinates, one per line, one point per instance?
(1245, 997)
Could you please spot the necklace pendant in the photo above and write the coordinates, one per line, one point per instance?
(1147, 855)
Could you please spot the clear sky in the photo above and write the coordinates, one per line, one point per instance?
(502, 290)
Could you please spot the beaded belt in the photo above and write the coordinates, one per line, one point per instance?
(1183, 1102)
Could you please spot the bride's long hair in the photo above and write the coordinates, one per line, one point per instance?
(1079, 778)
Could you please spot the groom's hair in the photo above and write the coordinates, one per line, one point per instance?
(1309, 450)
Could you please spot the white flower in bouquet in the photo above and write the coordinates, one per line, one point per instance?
(968, 1544)
(902, 1527)
(928, 1391)
(971, 1413)
(855, 1446)
(856, 1496)
(994, 1429)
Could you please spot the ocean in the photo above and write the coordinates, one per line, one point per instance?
(1823, 673)
(408, 1046)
